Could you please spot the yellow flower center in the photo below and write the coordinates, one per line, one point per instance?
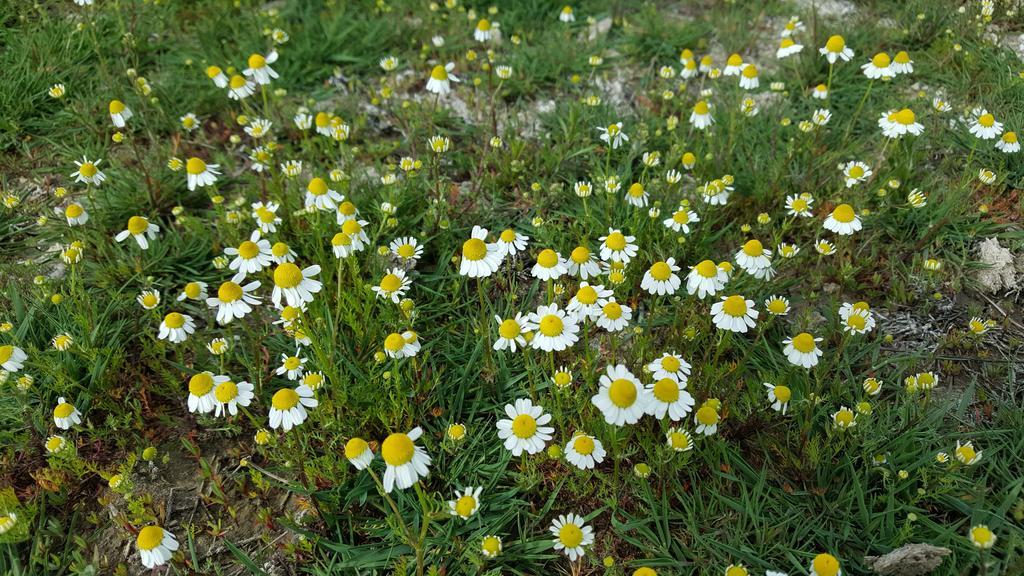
(670, 364)
(734, 60)
(902, 57)
(200, 384)
(116, 107)
(856, 321)
(680, 441)
(777, 306)
(195, 166)
(783, 394)
(881, 60)
(580, 254)
(390, 283)
(750, 71)
(700, 108)
(548, 258)
(464, 506)
(966, 453)
(439, 73)
(248, 250)
(54, 443)
(844, 213)
(736, 571)
(63, 410)
(483, 25)
(213, 71)
(257, 61)
(287, 275)
(786, 43)
(586, 295)
(856, 172)
(87, 169)
(681, 217)
(570, 535)
(707, 415)
(237, 82)
(397, 449)
(509, 329)
(835, 44)
(474, 249)
(491, 544)
(563, 378)
(981, 535)
(150, 300)
(73, 211)
(265, 216)
(636, 190)
(341, 239)
(292, 363)
(347, 208)
(905, 116)
(661, 271)
(137, 225)
(174, 320)
(753, 248)
(583, 445)
(551, 325)
(149, 537)
(508, 235)
(394, 342)
(612, 310)
(707, 269)
(735, 306)
(524, 426)
(615, 241)
(1010, 137)
(193, 290)
(323, 119)
(666, 390)
(406, 251)
(279, 249)
(6, 352)
(285, 399)
(825, 565)
(987, 120)
(317, 187)
(226, 392)
(804, 343)
(355, 448)
(622, 392)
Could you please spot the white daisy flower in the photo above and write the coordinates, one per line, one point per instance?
(441, 78)
(119, 113)
(835, 49)
(88, 172)
(843, 220)
(479, 259)
(511, 330)
(661, 278)
(668, 395)
(358, 452)
(556, 330)
(550, 265)
(156, 546)
(617, 247)
(734, 313)
(584, 451)
(511, 242)
(319, 196)
(613, 135)
(406, 249)
(802, 350)
(75, 214)
(584, 304)
(176, 327)
(259, 67)
(288, 407)
(678, 439)
(525, 428)
(295, 285)
(670, 365)
(779, 396)
(12, 358)
(292, 366)
(855, 172)
(621, 398)
(393, 285)
(680, 220)
(898, 123)
(405, 462)
(65, 415)
(266, 216)
(572, 535)
(466, 502)
(879, 67)
(148, 299)
(251, 256)
(582, 263)
(139, 228)
(984, 125)
(201, 398)
(230, 395)
(612, 316)
(705, 279)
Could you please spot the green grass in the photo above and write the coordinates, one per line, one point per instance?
(767, 491)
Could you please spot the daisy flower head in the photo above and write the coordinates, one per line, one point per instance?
(879, 67)
(406, 462)
(800, 205)
(986, 176)
(613, 135)
(898, 123)
(200, 174)
(636, 195)
(802, 350)
(984, 125)
(483, 32)
(511, 242)
(872, 386)
(716, 192)
(779, 396)
(788, 47)
(239, 87)
(466, 503)
(75, 214)
(251, 256)
(734, 313)
(65, 415)
(62, 342)
(292, 366)
(825, 565)
(700, 116)
(566, 14)
(282, 253)
(156, 546)
(479, 258)
(217, 76)
(490, 545)
(556, 330)
(733, 65)
(88, 172)
(621, 397)
(358, 453)
(584, 304)
(835, 49)
(582, 263)
(148, 299)
(583, 189)
(857, 319)
(661, 278)
(562, 377)
(550, 265)
(670, 365)
(406, 249)
(525, 428)
(572, 535)
(201, 398)
(584, 451)
(844, 418)
(668, 395)
(820, 92)
(981, 536)
(320, 196)
(266, 216)
(511, 332)
(902, 63)
(1007, 144)
(680, 220)
(679, 440)
(843, 220)
(176, 327)
(296, 285)
(824, 247)
(706, 418)
(119, 113)
(259, 69)
(230, 395)
(12, 358)
(749, 77)
(139, 228)
(855, 172)
(777, 305)
(441, 78)
(617, 247)
(393, 285)
(55, 444)
(705, 279)
(753, 257)
(979, 326)
(613, 316)
(966, 454)
(288, 407)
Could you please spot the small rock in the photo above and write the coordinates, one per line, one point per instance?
(908, 560)
(999, 273)
(599, 28)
